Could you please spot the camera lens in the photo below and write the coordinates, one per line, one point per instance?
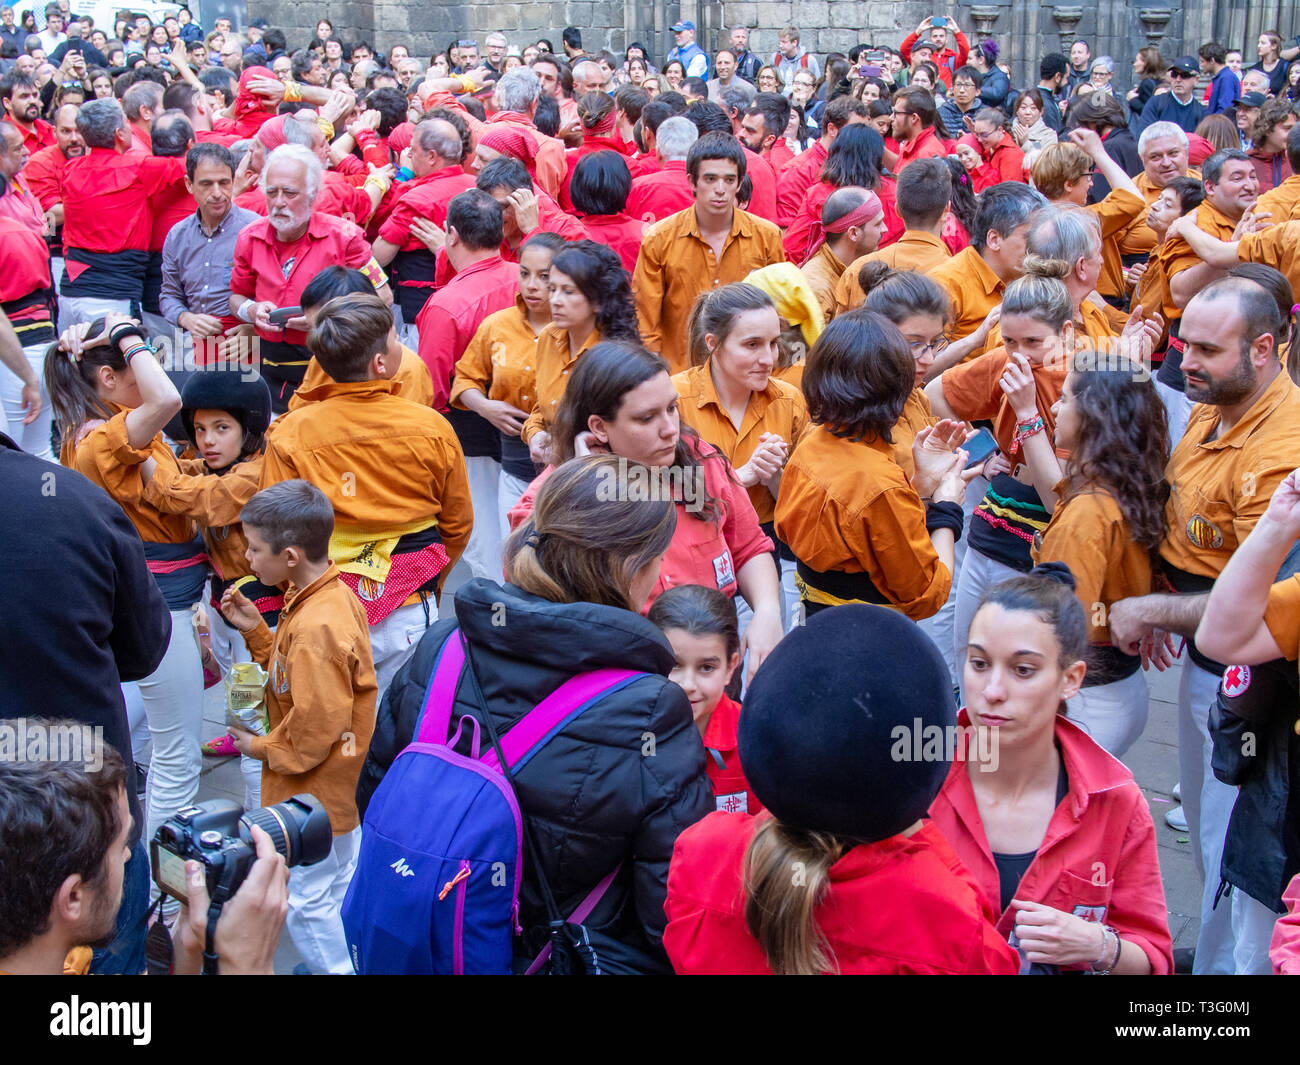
(299, 828)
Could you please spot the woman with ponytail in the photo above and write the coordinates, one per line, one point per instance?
(843, 874)
(593, 804)
(111, 400)
(1044, 819)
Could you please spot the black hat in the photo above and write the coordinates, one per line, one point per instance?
(836, 720)
(1251, 99)
(1186, 64)
(245, 395)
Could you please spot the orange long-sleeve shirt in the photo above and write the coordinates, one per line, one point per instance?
(551, 373)
(914, 250)
(214, 501)
(412, 381)
(501, 360)
(972, 287)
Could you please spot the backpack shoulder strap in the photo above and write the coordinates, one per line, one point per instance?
(435, 715)
(548, 717)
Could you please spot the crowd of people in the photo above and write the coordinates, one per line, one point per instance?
(743, 394)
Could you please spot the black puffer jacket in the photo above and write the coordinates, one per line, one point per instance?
(619, 783)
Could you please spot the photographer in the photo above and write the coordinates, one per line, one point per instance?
(64, 834)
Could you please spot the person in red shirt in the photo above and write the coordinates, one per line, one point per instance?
(21, 99)
(915, 124)
(666, 190)
(599, 133)
(435, 153)
(1049, 824)
(142, 103)
(599, 190)
(941, 55)
(276, 259)
(846, 789)
(700, 623)
(107, 215)
(26, 300)
(483, 284)
(44, 176)
(997, 147)
(801, 175)
(171, 136)
(17, 201)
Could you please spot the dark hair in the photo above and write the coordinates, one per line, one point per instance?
(899, 294)
(923, 193)
(715, 313)
(696, 86)
(973, 73)
(292, 514)
(546, 115)
(1051, 65)
(654, 115)
(208, 152)
(16, 80)
(855, 158)
(1190, 192)
(1277, 285)
(774, 110)
(920, 102)
(858, 377)
(219, 79)
(349, 331)
(1212, 52)
(1096, 110)
(391, 105)
(1271, 115)
(57, 819)
(841, 109)
(1220, 131)
(631, 100)
(715, 146)
(572, 36)
(504, 171)
(171, 134)
(699, 611)
(273, 41)
(598, 273)
(71, 383)
(301, 63)
(332, 282)
(604, 375)
(1047, 592)
(1003, 208)
(601, 183)
(708, 118)
(673, 99)
(458, 123)
(478, 218)
(1212, 168)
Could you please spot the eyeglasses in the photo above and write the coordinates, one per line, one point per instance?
(919, 348)
(987, 134)
(900, 114)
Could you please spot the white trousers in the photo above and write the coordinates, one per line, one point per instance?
(315, 918)
(483, 552)
(1252, 929)
(33, 438)
(173, 704)
(393, 640)
(1114, 714)
(74, 309)
(1208, 803)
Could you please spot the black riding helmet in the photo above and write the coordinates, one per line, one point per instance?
(247, 399)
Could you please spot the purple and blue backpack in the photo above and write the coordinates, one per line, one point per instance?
(436, 887)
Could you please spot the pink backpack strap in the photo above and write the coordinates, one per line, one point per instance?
(435, 717)
(568, 701)
(581, 912)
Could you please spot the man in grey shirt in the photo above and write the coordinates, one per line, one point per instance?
(724, 65)
(199, 252)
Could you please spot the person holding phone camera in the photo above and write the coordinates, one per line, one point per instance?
(937, 27)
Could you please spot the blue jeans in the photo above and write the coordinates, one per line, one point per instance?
(125, 955)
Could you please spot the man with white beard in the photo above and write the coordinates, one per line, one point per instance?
(277, 258)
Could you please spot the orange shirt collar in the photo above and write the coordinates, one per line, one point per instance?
(1272, 396)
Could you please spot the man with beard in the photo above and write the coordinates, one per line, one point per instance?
(276, 258)
(21, 98)
(1239, 446)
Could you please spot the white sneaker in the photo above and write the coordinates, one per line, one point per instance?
(1176, 819)
(1177, 793)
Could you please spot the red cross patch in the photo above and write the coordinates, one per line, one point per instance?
(1236, 680)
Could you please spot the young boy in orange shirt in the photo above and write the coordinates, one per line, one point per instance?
(320, 698)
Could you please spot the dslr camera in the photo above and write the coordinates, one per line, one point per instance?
(216, 833)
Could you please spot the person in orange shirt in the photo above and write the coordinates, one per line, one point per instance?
(922, 200)
(707, 245)
(320, 699)
(590, 302)
(976, 276)
(496, 378)
(113, 399)
(1181, 195)
(730, 397)
(700, 623)
(1280, 204)
(852, 223)
(857, 526)
(1109, 519)
(394, 472)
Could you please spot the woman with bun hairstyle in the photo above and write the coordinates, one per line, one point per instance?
(591, 301)
(621, 400)
(576, 573)
(111, 400)
(599, 123)
(225, 417)
(1107, 501)
(496, 377)
(859, 528)
(1049, 824)
(732, 399)
(881, 890)
(701, 625)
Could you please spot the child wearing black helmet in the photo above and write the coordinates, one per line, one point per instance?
(846, 738)
(225, 414)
